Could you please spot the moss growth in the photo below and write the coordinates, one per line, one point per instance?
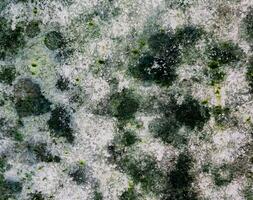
(98, 195)
(28, 98)
(62, 84)
(180, 180)
(129, 194)
(224, 52)
(33, 29)
(144, 171)
(128, 138)
(249, 73)
(154, 69)
(188, 35)
(124, 105)
(59, 124)
(7, 74)
(191, 113)
(167, 131)
(222, 175)
(78, 174)
(54, 40)
(248, 21)
(36, 196)
(10, 40)
(42, 153)
(220, 114)
(8, 188)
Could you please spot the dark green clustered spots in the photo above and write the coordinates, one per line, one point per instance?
(124, 105)
(248, 22)
(33, 29)
(219, 54)
(179, 185)
(189, 35)
(222, 175)
(167, 130)
(42, 153)
(54, 40)
(144, 171)
(225, 52)
(221, 114)
(16, 135)
(159, 64)
(10, 40)
(78, 174)
(62, 83)
(171, 184)
(128, 138)
(130, 194)
(97, 194)
(8, 188)
(28, 98)
(60, 124)
(7, 73)
(190, 113)
(36, 196)
(249, 73)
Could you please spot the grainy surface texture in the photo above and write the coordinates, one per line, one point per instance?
(126, 99)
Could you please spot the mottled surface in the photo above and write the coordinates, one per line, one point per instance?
(126, 100)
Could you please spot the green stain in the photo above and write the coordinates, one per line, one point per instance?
(28, 98)
(191, 113)
(59, 124)
(248, 23)
(188, 35)
(124, 105)
(10, 40)
(33, 29)
(42, 153)
(222, 175)
(54, 40)
(7, 74)
(224, 52)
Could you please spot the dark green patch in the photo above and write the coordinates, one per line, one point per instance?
(167, 130)
(28, 98)
(62, 83)
(248, 21)
(33, 29)
(36, 196)
(10, 40)
(59, 124)
(128, 138)
(180, 180)
(154, 69)
(7, 74)
(165, 45)
(124, 105)
(144, 171)
(17, 135)
(249, 73)
(222, 175)
(220, 114)
(98, 195)
(129, 194)
(54, 40)
(216, 76)
(188, 35)
(8, 188)
(224, 52)
(42, 153)
(191, 113)
(78, 174)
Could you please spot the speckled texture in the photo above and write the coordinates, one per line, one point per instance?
(126, 100)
